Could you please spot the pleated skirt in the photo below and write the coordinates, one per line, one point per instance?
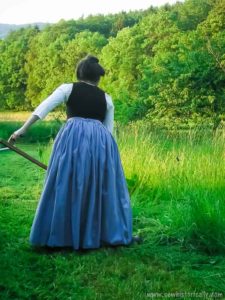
(85, 201)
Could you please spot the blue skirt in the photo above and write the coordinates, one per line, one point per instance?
(85, 201)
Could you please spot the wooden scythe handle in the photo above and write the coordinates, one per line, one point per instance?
(24, 154)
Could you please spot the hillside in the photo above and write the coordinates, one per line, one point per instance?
(6, 28)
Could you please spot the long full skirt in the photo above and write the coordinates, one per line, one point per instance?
(85, 201)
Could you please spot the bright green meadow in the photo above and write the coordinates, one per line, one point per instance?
(176, 181)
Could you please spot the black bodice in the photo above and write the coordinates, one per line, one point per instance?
(86, 101)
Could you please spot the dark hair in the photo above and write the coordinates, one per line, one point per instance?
(89, 69)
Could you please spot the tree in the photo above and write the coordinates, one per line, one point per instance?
(124, 58)
(13, 77)
(189, 14)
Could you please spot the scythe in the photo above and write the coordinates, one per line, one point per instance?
(22, 153)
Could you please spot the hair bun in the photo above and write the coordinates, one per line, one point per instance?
(90, 69)
(92, 59)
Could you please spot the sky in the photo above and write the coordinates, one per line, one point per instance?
(51, 11)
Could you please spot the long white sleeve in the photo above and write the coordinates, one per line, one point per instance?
(60, 95)
(109, 118)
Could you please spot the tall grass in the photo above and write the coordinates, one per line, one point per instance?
(184, 175)
(39, 132)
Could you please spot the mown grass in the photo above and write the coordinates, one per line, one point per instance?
(176, 182)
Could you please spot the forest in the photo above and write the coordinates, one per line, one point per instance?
(164, 65)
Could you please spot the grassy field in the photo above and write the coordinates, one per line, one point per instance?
(21, 116)
(177, 187)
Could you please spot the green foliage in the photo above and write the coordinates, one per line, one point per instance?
(13, 78)
(42, 58)
(51, 62)
(109, 25)
(125, 58)
(120, 58)
(189, 14)
(164, 65)
(184, 78)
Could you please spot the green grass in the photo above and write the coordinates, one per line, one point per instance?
(41, 131)
(185, 176)
(176, 182)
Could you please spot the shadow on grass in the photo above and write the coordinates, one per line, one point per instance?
(68, 250)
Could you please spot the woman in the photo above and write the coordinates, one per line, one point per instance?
(85, 201)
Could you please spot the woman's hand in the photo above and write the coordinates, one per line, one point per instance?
(17, 134)
(20, 132)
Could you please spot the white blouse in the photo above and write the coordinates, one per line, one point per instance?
(61, 95)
